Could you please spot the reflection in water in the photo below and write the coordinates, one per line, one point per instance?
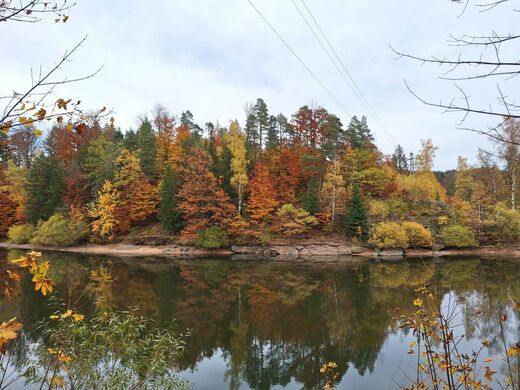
(259, 325)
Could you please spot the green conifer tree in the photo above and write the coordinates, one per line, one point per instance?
(169, 215)
(356, 216)
(45, 185)
(147, 150)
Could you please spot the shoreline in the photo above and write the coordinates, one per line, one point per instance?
(275, 252)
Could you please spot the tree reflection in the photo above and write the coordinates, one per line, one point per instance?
(275, 323)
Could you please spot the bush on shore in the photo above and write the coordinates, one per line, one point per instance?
(388, 235)
(21, 234)
(458, 236)
(212, 237)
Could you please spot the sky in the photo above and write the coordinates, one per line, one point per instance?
(213, 58)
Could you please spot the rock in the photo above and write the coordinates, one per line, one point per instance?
(305, 253)
(247, 250)
(344, 250)
(356, 249)
(438, 247)
(281, 251)
(322, 250)
(391, 252)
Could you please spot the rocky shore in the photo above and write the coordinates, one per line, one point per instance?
(277, 252)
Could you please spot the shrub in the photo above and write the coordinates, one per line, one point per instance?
(507, 225)
(387, 235)
(78, 225)
(293, 220)
(458, 236)
(212, 237)
(418, 235)
(54, 231)
(20, 234)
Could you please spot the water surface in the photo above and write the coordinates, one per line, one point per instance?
(266, 325)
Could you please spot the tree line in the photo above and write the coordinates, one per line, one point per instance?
(271, 176)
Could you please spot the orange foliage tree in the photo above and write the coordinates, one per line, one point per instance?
(262, 197)
(8, 214)
(202, 202)
(143, 201)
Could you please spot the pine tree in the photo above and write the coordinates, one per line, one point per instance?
(358, 133)
(252, 135)
(356, 216)
(309, 199)
(400, 160)
(236, 143)
(262, 193)
(147, 149)
(187, 120)
(45, 185)
(273, 140)
(262, 121)
(98, 162)
(169, 214)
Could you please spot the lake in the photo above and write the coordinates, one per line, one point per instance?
(269, 325)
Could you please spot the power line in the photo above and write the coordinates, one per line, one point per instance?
(327, 52)
(298, 58)
(352, 84)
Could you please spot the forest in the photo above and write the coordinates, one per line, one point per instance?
(270, 177)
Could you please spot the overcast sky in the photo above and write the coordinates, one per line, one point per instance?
(213, 57)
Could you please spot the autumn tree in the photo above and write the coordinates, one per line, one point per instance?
(424, 159)
(103, 212)
(169, 214)
(333, 191)
(262, 193)
(7, 208)
(236, 142)
(201, 200)
(15, 184)
(143, 201)
(23, 144)
(508, 147)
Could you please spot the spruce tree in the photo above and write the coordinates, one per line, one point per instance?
(262, 121)
(169, 215)
(273, 139)
(147, 150)
(399, 160)
(45, 185)
(309, 199)
(356, 216)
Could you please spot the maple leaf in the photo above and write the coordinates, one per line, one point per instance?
(489, 374)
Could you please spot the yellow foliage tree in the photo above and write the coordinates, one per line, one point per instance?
(127, 170)
(333, 191)
(236, 141)
(103, 212)
(422, 187)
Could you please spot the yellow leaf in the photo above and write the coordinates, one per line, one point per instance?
(78, 317)
(418, 302)
(489, 374)
(37, 132)
(68, 313)
(513, 351)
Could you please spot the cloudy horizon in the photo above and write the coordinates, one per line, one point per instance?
(213, 59)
